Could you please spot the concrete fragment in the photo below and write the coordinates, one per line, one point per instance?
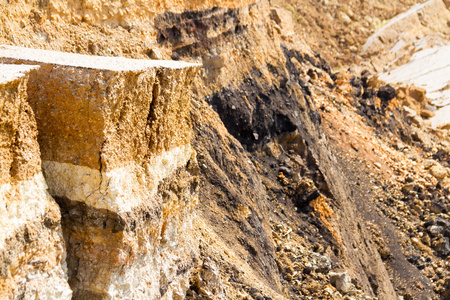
(32, 260)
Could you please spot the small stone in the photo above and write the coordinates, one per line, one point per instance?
(373, 82)
(408, 188)
(429, 163)
(426, 240)
(419, 136)
(386, 93)
(436, 207)
(286, 171)
(410, 113)
(155, 53)
(344, 18)
(313, 286)
(438, 171)
(441, 221)
(320, 263)
(341, 281)
(443, 246)
(417, 93)
(401, 94)
(175, 56)
(427, 114)
(435, 230)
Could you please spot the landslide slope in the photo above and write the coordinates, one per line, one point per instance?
(286, 197)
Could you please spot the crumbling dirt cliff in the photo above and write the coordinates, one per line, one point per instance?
(236, 164)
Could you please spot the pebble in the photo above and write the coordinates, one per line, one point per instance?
(435, 230)
(341, 281)
(438, 171)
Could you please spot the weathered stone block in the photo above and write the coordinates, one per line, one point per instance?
(115, 140)
(108, 125)
(31, 245)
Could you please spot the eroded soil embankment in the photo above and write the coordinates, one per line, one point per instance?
(280, 207)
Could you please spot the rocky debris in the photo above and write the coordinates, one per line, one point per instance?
(419, 193)
(207, 283)
(309, 273)
(155, 53)
(436, 169)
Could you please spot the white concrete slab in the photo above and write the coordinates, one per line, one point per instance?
(11, 72)
(429, 69)
(87, 61)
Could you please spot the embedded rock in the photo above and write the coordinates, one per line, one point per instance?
(32, 254)
(115, 142)
(341, 281)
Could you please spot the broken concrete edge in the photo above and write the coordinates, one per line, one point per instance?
(429, 69)
(88, 61)
(118, 190)
(423, 69)
(406, 17)
(10, 72)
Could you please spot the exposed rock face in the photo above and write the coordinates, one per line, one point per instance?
(32, 248)
(114, 134)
